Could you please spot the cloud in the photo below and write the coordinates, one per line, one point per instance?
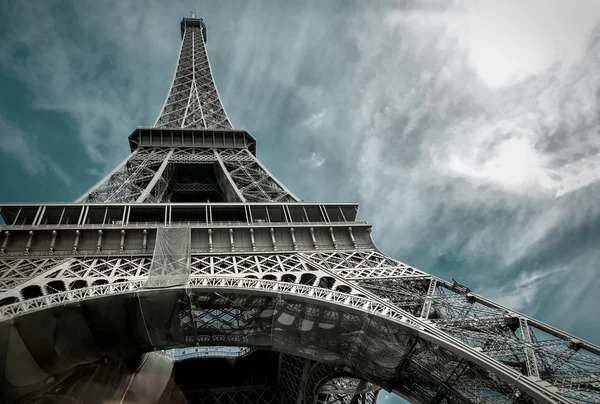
(314, 160)
(461, 129)
(24, 149)
(527, 36)
(315, 120)
(459, 177)
(525, 289)
(93, 80)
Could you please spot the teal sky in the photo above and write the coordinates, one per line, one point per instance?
(469, 131)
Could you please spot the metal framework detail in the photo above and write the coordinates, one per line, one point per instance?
(146, 175)
(193, 101)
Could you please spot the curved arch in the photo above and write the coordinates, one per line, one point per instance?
(7, 301)
(325, 382)
(31, 292)
(288, 278)
(55, 287)
(343, 289)
(326, 282)
(271, 315)
(308, 279)
(78, 284)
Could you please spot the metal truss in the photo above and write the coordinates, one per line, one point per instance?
(136, 176)
(251, 394)
(16, 271)
(352, 265)
(193, 100)
(307, 381)
(252, 180)
(292, 375)
(524, 344)
(147, 176)
(49, 276)
(567, 368)
(327, 384)
(371, 355)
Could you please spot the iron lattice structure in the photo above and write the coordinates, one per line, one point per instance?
(190, 255)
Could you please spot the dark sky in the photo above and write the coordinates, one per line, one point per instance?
(468, 131)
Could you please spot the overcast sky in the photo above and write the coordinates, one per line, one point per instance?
(468, 131)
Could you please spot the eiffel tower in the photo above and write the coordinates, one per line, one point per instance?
(191, 274)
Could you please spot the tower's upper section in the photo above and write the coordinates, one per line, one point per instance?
(193, 22)
(193, 100)
(191, 154)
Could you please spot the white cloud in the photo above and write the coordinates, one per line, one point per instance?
(524, 290)
(94, 80)
(508, 40)
(315, 120)
(446, 164)
(499, 138)
(314, 160)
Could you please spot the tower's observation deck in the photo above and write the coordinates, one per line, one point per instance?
(191, 245)
(193, 23)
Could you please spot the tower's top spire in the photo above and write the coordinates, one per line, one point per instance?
(192, 14)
